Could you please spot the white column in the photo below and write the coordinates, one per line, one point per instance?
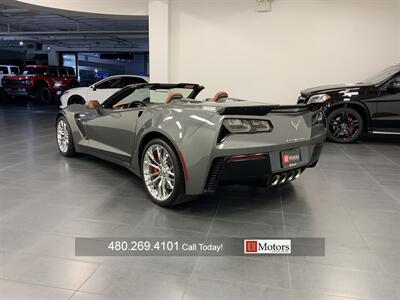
(159, 40)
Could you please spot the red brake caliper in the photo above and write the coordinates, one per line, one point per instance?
(350, 119)
(155, 170)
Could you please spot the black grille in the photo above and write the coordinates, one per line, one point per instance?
(213, 175)
(9, 82)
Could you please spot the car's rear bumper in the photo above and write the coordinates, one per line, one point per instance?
(260, 169)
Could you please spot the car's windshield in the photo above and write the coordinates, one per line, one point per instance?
(34, 71)
(383, 75)
(151, 96)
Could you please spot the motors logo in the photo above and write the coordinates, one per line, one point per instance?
(286, 159)
(267, 246)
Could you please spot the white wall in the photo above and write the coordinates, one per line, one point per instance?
(225, 44)
(159, 40)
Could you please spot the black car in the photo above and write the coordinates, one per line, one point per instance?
(372, 105)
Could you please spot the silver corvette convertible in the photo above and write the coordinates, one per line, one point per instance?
(182, 147)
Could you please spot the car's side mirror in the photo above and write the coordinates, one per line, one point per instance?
(94, 104)
(93, 87)
(394, 87)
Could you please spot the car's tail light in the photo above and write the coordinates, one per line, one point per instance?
(247, 126)
(237, 125)
(261, 125)
(233, 126)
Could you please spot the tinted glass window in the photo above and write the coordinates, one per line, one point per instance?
(109, 84)
(35, 71)
(14, 70)
(71, 72)
(3, 70)
(53, 72)
(132, 80)
(62, 72)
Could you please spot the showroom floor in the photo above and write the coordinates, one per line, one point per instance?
(352, 199)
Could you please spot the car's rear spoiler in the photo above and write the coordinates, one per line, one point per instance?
(263, 110)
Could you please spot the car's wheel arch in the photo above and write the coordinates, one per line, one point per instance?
(151, 135)
(76, 97)
(60, 114)
(42, 83)
(357, 106)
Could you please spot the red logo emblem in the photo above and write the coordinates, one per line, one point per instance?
(251, 246)
(286, 159)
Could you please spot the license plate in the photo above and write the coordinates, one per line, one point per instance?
(290, 158)
(20, 91)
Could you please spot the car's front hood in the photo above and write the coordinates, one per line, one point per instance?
(332, 88)
(77, 90)
(17, 77)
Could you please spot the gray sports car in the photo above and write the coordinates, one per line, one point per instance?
(182, 147)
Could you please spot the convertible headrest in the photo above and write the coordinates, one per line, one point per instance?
(93, 104)
(220, 95)
(173, 96)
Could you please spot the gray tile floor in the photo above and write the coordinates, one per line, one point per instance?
(352, 199)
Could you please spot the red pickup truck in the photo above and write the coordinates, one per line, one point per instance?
(42, 82)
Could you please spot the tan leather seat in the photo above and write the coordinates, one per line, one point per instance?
(173, 96)
(220, 95)
(93, 104)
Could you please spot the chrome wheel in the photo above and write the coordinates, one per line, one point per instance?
(158, 172)
(62, 136)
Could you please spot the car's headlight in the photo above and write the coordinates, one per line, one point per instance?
(247, 126)
(319, 98)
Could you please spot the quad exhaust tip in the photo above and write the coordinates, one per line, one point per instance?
(291, 176)
(285, 177)
(275, 180)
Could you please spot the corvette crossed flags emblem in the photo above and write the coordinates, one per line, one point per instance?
(295, 125)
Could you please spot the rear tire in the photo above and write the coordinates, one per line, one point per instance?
(162, 174)
(43, 94)
(345, 125)
(64, 137)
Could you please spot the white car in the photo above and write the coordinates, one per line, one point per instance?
(8, 70)
(100, 90)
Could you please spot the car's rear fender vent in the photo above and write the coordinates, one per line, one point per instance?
(223, 133)
(213, 175)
